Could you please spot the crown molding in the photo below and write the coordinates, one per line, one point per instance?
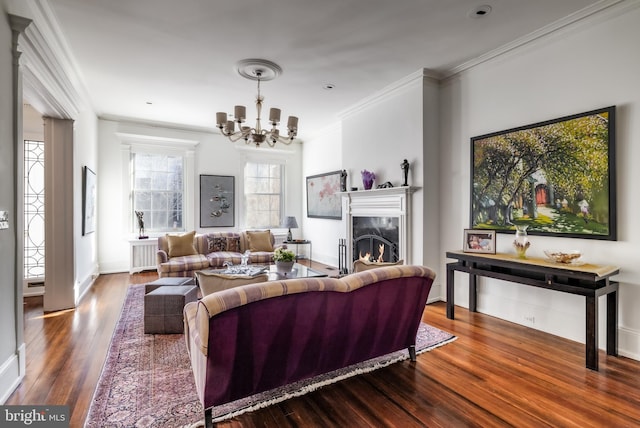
(52, 83)
(383, 94)
(587, 12)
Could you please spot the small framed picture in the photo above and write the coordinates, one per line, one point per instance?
(479, 241)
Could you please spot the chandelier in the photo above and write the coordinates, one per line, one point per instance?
(259, 70)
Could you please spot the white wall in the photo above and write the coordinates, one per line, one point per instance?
(10, 338)
(321, 154)
(590, 65)
(214, 155)
(85, 146)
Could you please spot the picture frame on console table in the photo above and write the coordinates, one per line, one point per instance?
(217, 200)
(323, 196)
(479, 241)
(557, 177)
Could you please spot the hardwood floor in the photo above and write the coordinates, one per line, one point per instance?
(495, 374)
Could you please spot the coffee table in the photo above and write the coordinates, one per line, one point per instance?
(298, 271)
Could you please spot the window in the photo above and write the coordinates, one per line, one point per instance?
(157, 191)
(263, 190)
(34, 209)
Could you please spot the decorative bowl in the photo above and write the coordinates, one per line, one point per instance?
(564, 257)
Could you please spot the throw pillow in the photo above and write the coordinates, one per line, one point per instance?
(181, 245)
(260, 240)
(216, 244)
(233, 244)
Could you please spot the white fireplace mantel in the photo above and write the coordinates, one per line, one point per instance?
(387, 202)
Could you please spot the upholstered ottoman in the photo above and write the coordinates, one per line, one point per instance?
(163, 308)
(169, 280)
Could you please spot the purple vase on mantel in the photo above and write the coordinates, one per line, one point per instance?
(367, 179)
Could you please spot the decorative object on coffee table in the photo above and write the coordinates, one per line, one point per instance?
(367, 179)
(284, 259)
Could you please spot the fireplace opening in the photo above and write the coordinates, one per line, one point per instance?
(376, 238)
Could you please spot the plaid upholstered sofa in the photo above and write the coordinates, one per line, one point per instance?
(182, 255)
(256, 337)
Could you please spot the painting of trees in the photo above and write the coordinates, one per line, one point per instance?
(554, 176)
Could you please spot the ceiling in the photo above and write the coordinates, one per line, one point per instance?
(173, 61)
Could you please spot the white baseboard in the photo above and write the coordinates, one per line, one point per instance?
(629, 343)
(12, 372)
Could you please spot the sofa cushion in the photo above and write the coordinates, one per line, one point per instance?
(233, 244)
(211, 282)
(217, 259)
(216, 243)
(260, 240)
(181, 245)
(185, 263)
(261, 257)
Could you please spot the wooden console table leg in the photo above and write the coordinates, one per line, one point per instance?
(473, 293)
(612, 323)
(592, 332)
(450, 273)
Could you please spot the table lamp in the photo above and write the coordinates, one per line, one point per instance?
(290, 223)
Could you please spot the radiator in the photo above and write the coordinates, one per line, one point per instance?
(142, 254)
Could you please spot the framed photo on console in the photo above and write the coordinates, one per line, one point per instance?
(479, 241)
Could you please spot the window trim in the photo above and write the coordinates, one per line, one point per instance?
(273, 158)
(136, 143)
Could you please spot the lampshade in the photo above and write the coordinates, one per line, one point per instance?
(290, 222)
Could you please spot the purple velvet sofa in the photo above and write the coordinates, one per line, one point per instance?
(257, 337)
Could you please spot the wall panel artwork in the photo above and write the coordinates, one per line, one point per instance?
(323, 196)
(556, 177)
(217, 204)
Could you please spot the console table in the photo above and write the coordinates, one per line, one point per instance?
(591, 281)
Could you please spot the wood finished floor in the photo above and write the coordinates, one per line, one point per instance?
(495, 374)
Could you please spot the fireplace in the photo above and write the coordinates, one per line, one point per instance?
(375, 238)
(378, 217)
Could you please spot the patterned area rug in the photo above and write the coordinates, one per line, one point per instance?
(147, 380)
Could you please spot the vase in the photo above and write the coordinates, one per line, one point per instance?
(521, 242)
(284, 267)
(367, 179)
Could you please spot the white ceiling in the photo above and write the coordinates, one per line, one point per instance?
(180, 55)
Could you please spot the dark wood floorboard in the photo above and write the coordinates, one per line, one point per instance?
(496, 374)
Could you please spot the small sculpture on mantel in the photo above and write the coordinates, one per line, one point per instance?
(343, 180)
(140, 216)
(405, 170)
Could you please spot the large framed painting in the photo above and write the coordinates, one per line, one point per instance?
(557, 177)
(323, 196)
(89, 194)
(217, 204)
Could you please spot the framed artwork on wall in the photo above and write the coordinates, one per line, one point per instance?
(479, 241)
(89, 193)
(217, 203)
(323, 196)
(556, 177)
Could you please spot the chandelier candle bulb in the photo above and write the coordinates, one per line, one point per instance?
(221, 119)
(240, 112)
(274, 116)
